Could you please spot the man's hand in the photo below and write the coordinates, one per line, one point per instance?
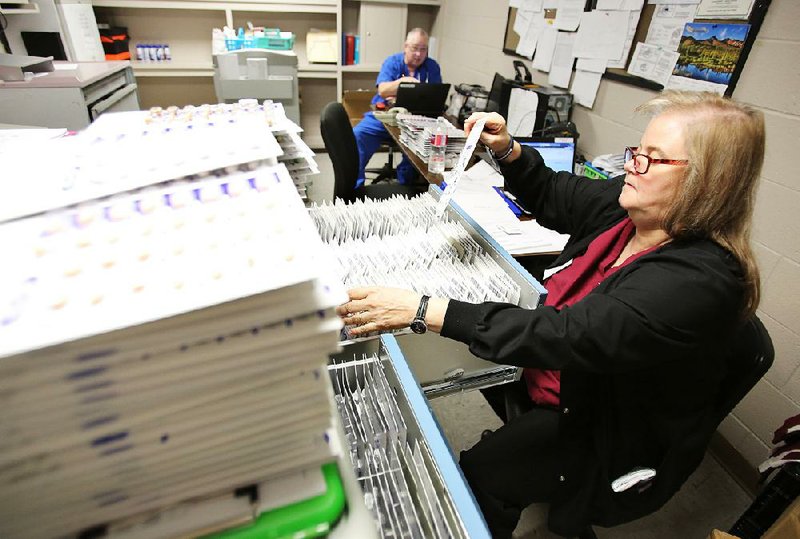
(389, 89)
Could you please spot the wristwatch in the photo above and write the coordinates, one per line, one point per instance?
(418, 325)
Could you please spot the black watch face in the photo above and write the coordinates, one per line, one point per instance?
(419, 326)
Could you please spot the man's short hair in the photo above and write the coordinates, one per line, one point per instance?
(419, 31)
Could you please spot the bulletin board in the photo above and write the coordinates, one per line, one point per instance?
(756, 18)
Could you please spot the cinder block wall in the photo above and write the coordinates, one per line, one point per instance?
(471, 36)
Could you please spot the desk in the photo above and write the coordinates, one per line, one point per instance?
(534, 261)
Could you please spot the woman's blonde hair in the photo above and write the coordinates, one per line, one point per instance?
(725, 145)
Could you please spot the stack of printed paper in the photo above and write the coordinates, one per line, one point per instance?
(161, 347)
(416, 132)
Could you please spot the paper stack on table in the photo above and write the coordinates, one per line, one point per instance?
(416, 133)
(161, 346)
(477, 196)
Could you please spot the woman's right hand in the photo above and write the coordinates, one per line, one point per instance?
(495, 133)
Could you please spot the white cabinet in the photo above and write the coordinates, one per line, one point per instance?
(379, 39)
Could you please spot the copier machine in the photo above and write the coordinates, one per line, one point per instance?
(260, 74)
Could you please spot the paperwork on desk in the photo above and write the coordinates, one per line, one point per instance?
(476, 195)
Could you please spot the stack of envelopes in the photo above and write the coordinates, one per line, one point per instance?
(416, 132)
(162, 346)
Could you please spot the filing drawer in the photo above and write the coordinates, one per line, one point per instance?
(461, 516)
(106, 86)
(443, 366)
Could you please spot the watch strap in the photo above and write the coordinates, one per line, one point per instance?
(423, 308)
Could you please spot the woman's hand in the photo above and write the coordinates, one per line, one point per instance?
(495, 134)
(373, 309)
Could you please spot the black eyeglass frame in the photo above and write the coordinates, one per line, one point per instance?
(630, 153)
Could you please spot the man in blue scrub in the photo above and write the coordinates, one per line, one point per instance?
(411, 65)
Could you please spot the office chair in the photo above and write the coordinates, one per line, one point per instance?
(387, 171)
(750, 356)
(337, 134)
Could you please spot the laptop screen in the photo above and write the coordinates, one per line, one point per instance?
(422, 98)
(558, 153)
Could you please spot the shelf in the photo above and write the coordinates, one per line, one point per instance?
(172, 69)
(409, 2)
(305, 68)
(361, 68)
(321, 6)
(176, 69)
(23, 9)
(317, 71)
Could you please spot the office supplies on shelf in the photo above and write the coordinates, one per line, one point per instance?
(321, 46)
(263, 38)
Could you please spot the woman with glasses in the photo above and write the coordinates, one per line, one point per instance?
(624, 361)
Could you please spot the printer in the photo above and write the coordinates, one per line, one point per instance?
(259, 74)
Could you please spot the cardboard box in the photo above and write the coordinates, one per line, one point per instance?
(787, 525)
(321, 46)
(356, 103)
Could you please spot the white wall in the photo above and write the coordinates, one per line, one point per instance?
(471, 34)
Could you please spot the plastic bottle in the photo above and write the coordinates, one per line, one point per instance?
(438, 148)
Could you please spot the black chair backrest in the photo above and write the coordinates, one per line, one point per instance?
(337, 134)
(751, 357)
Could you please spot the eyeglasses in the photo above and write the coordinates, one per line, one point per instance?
(415, 48)
(642, 162)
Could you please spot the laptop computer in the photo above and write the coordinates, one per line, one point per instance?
(425, 99)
